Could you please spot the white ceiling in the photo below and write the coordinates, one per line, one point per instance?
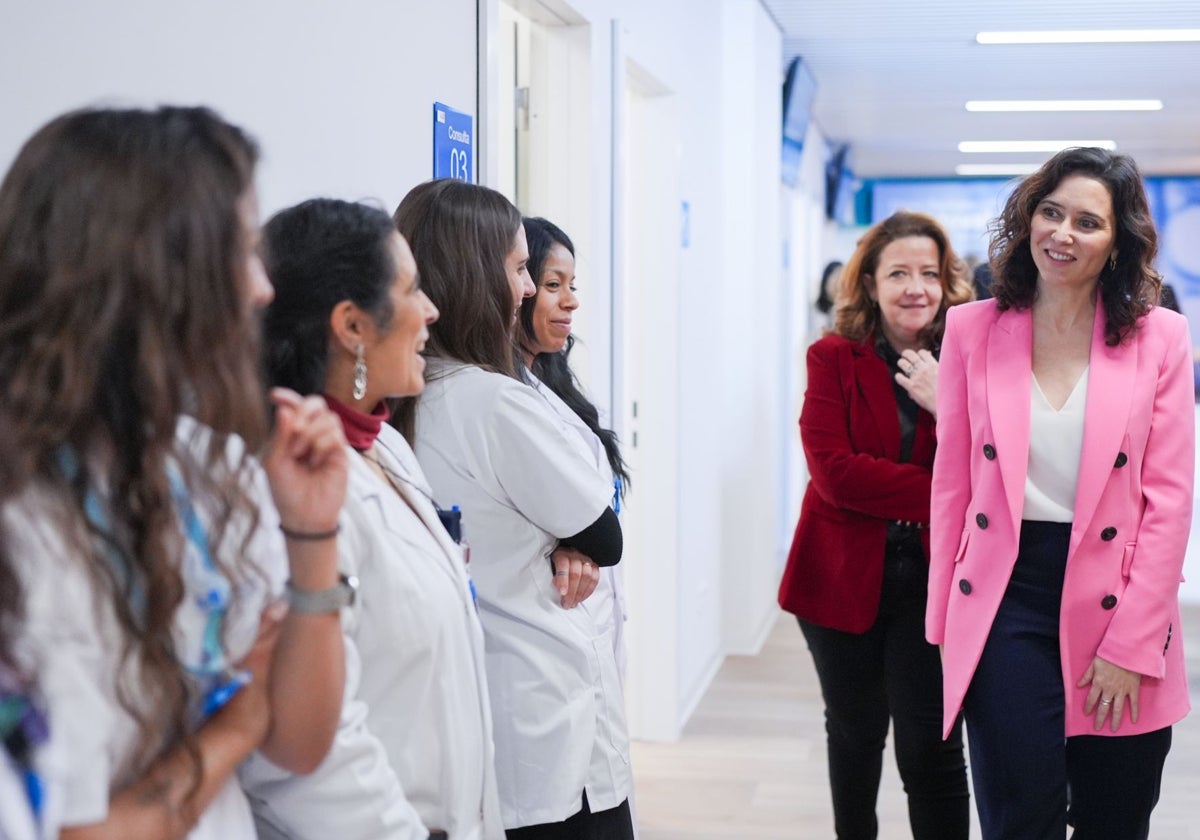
(893, 77)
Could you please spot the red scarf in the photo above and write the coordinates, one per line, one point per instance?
(361, 429)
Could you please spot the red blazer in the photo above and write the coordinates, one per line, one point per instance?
(1133, 506)
(850, 429)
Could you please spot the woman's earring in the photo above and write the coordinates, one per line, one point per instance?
(1112, 262)
(360, 374)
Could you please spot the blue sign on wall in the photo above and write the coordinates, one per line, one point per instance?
(452, 141)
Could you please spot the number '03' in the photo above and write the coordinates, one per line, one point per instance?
(460, 165)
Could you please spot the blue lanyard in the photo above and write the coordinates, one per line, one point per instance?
(35, 792)
(212, 670)
(220, 682)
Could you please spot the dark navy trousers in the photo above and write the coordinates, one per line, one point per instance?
(1030, 780)
(890, 674)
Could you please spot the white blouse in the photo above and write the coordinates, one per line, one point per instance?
(1055, 450)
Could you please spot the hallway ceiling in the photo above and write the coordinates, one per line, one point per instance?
(893, 78)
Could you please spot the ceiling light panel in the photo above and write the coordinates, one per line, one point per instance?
(992, 105)
(1091, 36)
(995, 168)
(1023, 146)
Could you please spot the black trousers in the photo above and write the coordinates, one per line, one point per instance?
(613, 824)
(890, 673)
(1030, 780)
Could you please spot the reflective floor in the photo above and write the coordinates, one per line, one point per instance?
(751, 763)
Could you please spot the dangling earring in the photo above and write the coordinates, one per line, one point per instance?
(360, 374)
(1112, 262)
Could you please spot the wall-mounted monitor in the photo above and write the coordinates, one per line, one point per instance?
(799, 88)
(840, 185)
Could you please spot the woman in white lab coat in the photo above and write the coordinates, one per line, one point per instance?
(146, 540)
(413, 754)
(546, 339)
(490, 443)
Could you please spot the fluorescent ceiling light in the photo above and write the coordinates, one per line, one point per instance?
(995, 168)
(1091, 36)
(1010, 146)
(1064, 105)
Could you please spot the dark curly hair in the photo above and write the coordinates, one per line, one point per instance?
(1129, 288)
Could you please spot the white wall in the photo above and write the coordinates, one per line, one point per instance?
(751, 297)
(339, 95)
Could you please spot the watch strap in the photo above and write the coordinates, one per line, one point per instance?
(321, 601)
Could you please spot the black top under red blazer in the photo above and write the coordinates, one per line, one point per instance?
(850, 428)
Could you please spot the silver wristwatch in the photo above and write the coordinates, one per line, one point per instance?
(341, 594)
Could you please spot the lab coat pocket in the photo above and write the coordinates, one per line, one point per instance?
(611, 708)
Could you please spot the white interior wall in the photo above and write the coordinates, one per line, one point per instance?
(339, 95)
(811, 242)
(749, 351)
(701, 376)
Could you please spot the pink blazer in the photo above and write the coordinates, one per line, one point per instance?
(1133, 507)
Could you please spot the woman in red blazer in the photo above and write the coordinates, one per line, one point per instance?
(1063, 497)
(857, 571)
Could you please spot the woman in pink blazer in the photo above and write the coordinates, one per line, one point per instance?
(1062, 497)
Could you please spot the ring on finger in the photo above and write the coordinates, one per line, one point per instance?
(1107, 702)
(561, 573)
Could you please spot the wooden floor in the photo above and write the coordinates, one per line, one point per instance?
(751, 763)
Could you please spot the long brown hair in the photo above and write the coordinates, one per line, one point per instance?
(461, 235)
(857, 314)
(123, 307)
(1130, 287)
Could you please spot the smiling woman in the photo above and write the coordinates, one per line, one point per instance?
(1063, 483)
(856, 572)
(348, 322)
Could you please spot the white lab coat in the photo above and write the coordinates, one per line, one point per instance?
(414, 749)
(16, 818)
(492, 445)
(608, 601)
(70, 642)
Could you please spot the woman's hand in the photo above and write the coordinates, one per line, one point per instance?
(575, 576)
(306, 462)
(1112, 688)
(918, 376)
(250, 709)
